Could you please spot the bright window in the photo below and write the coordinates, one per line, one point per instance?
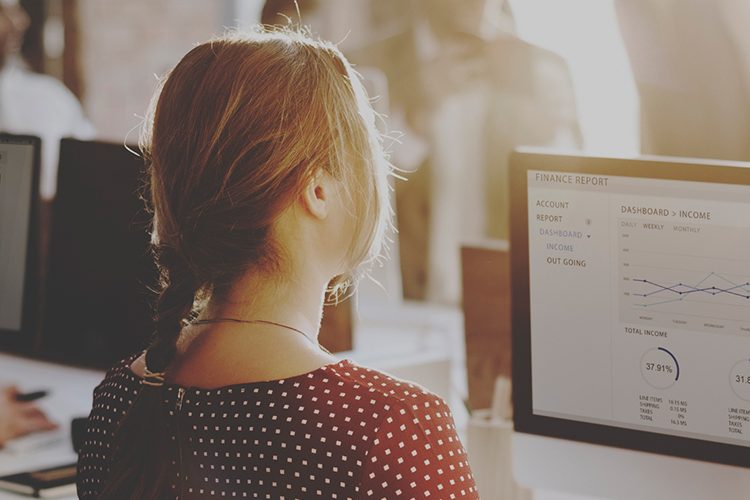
(586, 33)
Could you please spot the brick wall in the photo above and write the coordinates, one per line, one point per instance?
(124, 44)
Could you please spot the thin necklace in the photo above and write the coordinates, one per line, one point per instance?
(259, 321)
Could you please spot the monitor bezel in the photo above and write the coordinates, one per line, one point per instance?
(525, 421)
(23, 340)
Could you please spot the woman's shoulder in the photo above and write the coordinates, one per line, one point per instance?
(119, 379)
(122, 368)
(401, 396)
(415, 449)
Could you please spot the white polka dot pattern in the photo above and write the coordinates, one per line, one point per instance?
(342, 431)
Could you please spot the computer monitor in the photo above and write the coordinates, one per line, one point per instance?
(98, 303)
(19, 205)
(631, 325)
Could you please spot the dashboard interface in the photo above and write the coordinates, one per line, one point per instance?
(639, 303)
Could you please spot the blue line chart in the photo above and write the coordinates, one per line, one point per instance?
(680, 291)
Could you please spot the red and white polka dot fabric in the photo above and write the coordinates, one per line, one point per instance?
(342, 431)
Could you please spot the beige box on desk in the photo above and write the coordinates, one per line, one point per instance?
(487, 327)
(489, 446)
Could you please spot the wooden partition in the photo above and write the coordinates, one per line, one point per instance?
(487, 317)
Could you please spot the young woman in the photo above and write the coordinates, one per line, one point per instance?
(267, 183)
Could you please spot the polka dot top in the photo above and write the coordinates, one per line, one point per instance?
(342, 431)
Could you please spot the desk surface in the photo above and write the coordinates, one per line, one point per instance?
(70, 396)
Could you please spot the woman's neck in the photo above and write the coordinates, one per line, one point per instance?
(224, 353)
(295, 301)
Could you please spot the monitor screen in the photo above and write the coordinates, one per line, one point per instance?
(633, 303)
(18, 189)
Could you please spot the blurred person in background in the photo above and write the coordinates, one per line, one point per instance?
(472, 90)
(29, 104)
(19, 418)
(32, 103)
(691, 63)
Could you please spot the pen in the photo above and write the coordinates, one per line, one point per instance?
(31, 396)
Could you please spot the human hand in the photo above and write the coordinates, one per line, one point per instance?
(20, 418)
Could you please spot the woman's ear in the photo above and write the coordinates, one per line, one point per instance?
(316, 197)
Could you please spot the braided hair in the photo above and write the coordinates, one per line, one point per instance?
(175, 302)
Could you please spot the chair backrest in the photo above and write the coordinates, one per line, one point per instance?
(487, 318)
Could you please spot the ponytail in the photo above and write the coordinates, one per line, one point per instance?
(139, 469)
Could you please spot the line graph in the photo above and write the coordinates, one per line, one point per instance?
(672, 278)
(684, 290)
(685, 299)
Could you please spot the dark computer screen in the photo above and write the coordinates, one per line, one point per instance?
(98, 303)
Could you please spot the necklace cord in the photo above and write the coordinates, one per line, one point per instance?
(210, 321)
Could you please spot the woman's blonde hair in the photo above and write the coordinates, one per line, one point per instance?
(235, 133)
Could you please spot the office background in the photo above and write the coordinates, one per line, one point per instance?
(459, 83)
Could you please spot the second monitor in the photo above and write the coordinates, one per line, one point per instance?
(631, 324)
